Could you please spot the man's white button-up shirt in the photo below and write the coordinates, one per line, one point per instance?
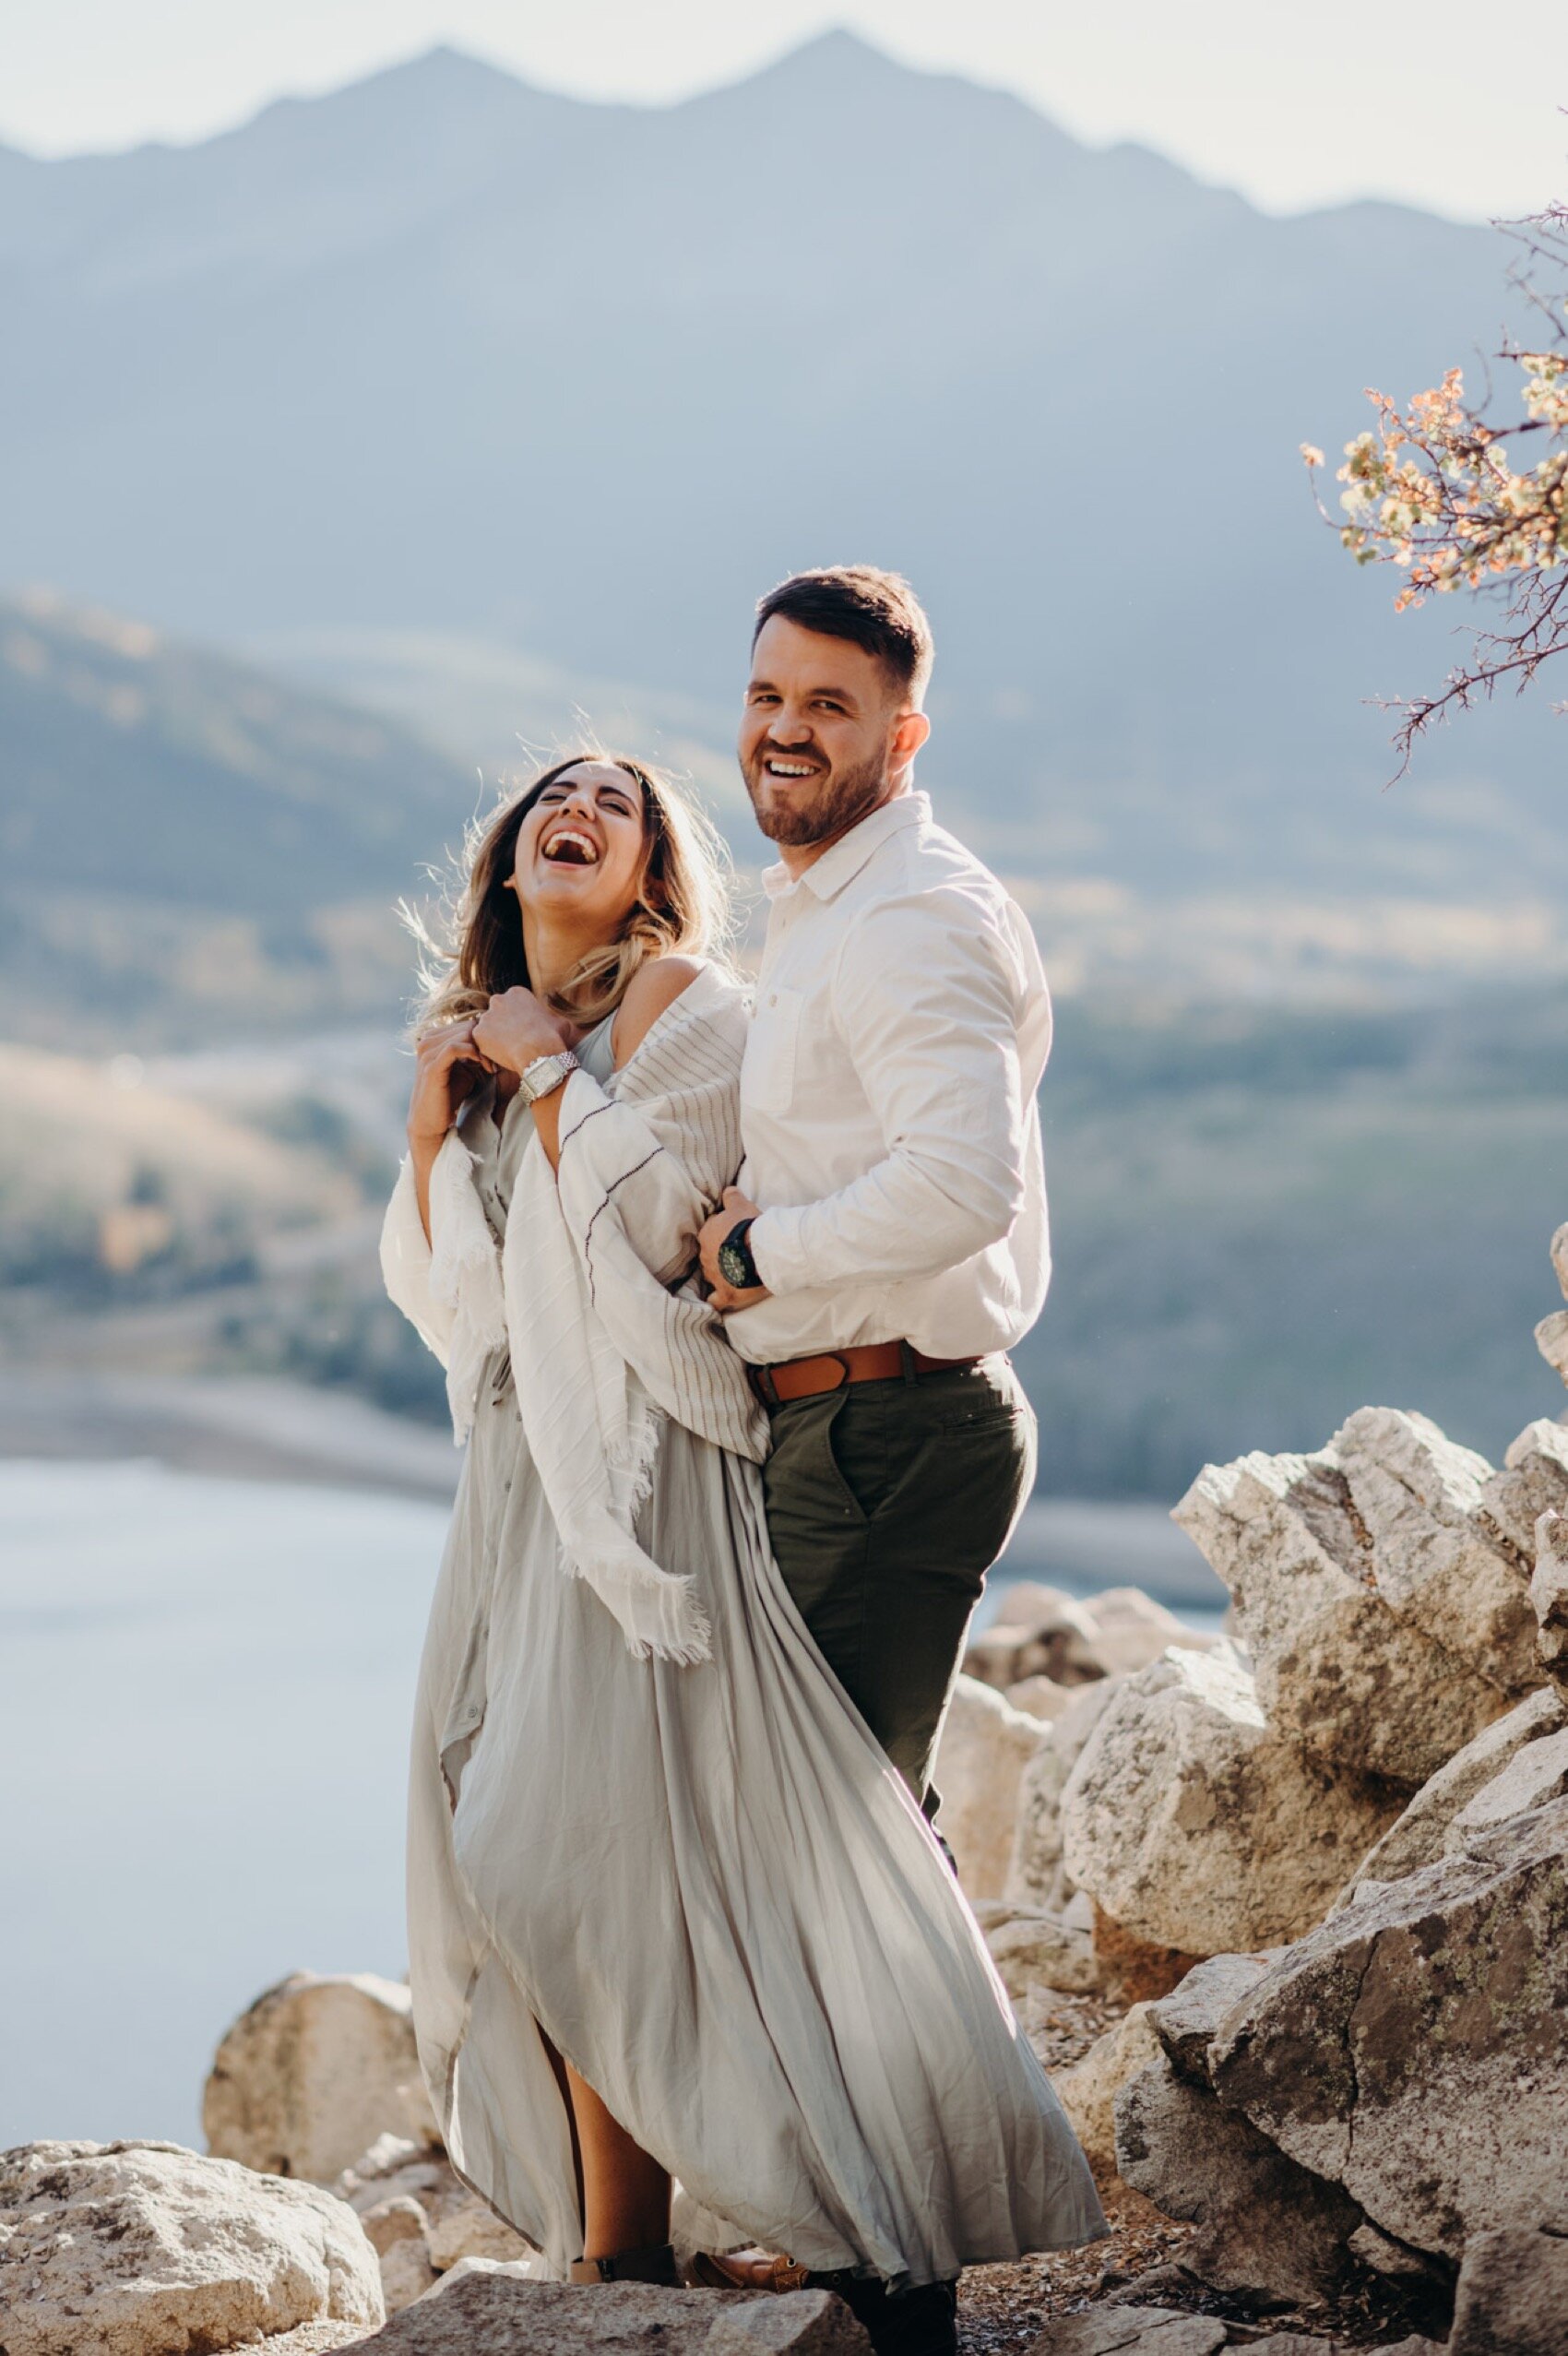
(887, 1102)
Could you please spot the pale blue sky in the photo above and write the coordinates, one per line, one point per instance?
(1441, 106)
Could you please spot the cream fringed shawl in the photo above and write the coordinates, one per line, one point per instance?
(592, 1294)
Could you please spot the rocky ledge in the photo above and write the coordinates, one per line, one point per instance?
(1285, 1913)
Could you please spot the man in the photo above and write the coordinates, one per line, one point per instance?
(887, 1241)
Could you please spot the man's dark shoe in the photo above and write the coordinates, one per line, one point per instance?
(905, 2323)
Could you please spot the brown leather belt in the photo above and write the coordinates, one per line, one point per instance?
(866, 1362)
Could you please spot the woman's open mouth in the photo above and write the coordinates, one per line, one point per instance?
(570, 847)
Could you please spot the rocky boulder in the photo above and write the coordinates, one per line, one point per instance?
(1414, 2049)
(984, 1748)
(1187, 2021)
(1032, 1951)
(1036, 1875)
(423, 2219)
(1549, 1595)
(1438, 1558)
(1042, 1633)
(1420, 1835)
(1337, 1669)
(1534, 1481)
(1087, 2092)
(1267, 2227)
(492, 2313)
(1513, 2295)
(137, 2249)
(1196, 1828)
(1552, 1334)
(1041, 1697)
(315, 2070)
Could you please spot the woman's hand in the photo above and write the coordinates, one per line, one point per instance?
(448, 1067)
(517, 1029)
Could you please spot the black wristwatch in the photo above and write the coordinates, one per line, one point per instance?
(736, 1265)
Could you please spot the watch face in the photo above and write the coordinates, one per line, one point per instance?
(733, 1265)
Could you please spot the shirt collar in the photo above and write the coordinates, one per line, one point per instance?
(829, 873)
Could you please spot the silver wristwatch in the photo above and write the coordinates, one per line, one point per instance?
(545, 1074)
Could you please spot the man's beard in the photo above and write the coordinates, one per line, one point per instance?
(840, 803)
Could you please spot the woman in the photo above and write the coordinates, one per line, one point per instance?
(670, 1909)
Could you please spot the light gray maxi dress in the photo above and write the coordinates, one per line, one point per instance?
(704, 1882)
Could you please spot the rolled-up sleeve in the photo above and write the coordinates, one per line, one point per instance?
(926, 999)
(405, 1266)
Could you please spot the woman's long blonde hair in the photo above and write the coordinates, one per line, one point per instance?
(683, 903)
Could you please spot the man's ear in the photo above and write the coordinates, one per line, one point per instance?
(908, 735)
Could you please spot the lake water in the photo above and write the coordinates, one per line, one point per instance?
(205, 1694)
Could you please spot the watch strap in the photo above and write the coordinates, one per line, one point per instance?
(545, 1074)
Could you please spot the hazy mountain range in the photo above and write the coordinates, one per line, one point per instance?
(443, 354)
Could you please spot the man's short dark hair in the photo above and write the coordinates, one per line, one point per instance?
(875, 610)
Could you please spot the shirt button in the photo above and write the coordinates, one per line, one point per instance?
(773, 997)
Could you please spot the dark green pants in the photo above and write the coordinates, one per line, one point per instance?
(887, 1503)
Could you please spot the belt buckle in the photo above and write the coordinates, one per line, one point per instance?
(765, 1390)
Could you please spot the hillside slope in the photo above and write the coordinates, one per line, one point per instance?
(187, 842)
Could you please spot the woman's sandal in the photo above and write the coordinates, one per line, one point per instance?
(744, 2270)
(655, 2264)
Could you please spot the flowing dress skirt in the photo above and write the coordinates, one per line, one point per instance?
(714, 1895)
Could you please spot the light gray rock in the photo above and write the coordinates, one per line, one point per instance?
(1036, 1875)
(1511, 2298)
(406, 2274)
(309, 2340)
(1030, 1604)
(1533, 1775)
(1042, 1697)
(1414, 2049)
(1131, 1630)
(1033, 1951)
(488, 2311)
(397, 2165)
(984, 1748)
(1337, 1669)
(1552, 1334)
(802, 2323)
(1196, 1828)
(1534, 1481)
(1064, 1647)
(134, 2249)
(1418, 1837)
(1437, 1558)
(1134, 2331)
(1265, 2225)
(1087, 2092)
(993, 1658)
(389, 2222)
(1549, 1595)
(468, 2230)
(1552, 1340)
(315, 2070)
(1187, 2021)
(1383, 2254)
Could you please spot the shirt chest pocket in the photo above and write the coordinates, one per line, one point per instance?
(768, 1073)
